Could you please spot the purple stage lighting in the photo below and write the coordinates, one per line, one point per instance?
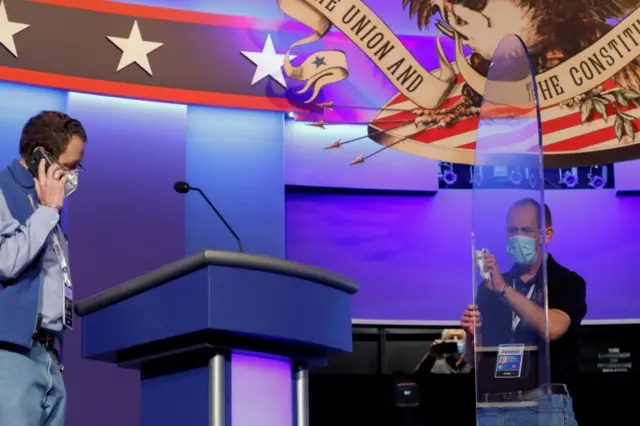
(478, 178)
(262, 391)
(597, 182)
(449, 177)
(516, 177)
(569, 179)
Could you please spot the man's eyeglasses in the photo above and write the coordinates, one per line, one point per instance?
(77, 168)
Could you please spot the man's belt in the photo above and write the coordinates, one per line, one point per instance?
(530, 395)
(47, 338)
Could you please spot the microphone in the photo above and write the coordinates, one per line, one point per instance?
(184, 187)
(181, 187)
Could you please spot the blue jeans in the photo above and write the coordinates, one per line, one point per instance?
(32, 391)
(538, 415)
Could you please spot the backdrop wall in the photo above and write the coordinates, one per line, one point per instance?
(411, 253)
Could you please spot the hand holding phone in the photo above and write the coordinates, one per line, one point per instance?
(37, 156)
(49, 179)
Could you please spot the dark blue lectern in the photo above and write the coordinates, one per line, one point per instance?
(221, 338)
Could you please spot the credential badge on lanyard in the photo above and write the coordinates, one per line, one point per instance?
(67, 288)
(515, 319)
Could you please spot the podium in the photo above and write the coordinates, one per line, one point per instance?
(221, 338)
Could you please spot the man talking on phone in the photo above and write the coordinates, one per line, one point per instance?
(35, 281)
(510, 309)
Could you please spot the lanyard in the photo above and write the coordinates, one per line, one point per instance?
(67, 292)
(515, 319)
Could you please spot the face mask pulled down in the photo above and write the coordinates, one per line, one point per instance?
(522, 249)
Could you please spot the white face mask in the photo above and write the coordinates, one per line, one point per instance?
(72, 183)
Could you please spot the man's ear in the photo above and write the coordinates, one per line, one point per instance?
(548, 235)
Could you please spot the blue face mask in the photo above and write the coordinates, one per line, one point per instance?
(522, 249)
(460, 347)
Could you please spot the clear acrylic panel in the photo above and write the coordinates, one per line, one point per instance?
(508, 241)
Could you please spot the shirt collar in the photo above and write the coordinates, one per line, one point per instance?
(21, 174)
(513, 274)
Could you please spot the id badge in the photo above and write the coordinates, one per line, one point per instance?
(67, 301)
(509, 362)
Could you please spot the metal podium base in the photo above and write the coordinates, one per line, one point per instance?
(225, 389)
(217, 390)
(302, 396)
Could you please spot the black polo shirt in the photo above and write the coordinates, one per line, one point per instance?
(566, 292)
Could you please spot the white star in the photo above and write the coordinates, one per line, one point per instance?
(268, 63)
(134, 49)
(8, 30)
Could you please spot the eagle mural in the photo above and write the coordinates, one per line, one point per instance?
(552, 30)
(586, 50)
(595, 127)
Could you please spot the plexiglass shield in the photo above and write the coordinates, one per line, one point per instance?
(508, 242)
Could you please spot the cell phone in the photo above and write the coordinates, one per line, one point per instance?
(33, 161)
(447, 348)
(480, 262)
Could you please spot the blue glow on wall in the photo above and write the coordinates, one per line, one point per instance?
(124, 220)
(308, 163)
(19, 103)
(237, 158)
(256, 9)
(171, 4)
(394, 15)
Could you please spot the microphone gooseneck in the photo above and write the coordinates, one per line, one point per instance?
(183, 187)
